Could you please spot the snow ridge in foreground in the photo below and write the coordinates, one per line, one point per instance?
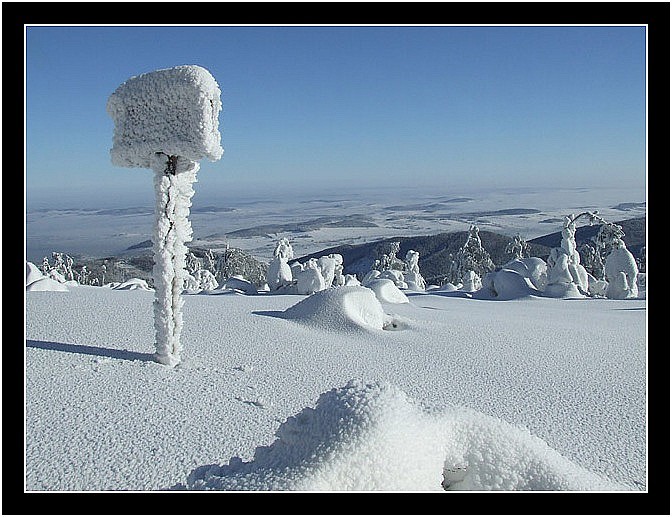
(372, 436)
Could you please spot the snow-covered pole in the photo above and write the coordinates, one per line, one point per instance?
(167, 120)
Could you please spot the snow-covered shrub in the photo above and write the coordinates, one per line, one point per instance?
(471, 282)
(200, 280)
(350, 280)
(621, 272)
(167, 120)
(395, 276)
(279, 273)
(506, 284)
(238, 283)
(597, 287)
(533, 268)
(310, 280)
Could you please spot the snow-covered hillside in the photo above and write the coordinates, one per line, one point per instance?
(336, 391)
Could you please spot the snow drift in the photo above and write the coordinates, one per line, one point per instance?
(341, 308)
(372, 436)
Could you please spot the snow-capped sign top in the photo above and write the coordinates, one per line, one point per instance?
(174, 111)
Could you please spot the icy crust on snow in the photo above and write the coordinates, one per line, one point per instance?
(343, 307)
(173, 111)
(372, 436)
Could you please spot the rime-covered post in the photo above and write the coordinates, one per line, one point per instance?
(167, 120)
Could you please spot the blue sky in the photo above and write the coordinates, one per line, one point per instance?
(320, 108)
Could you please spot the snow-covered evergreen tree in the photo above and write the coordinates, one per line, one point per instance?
(472, 256)
(166, 121)
(517, 248)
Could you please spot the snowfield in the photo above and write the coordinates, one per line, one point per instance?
(334, 392)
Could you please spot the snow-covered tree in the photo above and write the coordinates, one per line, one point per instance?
(310, 279)
(279, 273)
(412, 275)
(471, 281)
(621, 272)
(472, 256)
(517, 248)
(166, 121)
(567, 278)
(386, 257)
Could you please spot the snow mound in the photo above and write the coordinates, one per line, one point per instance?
(240, 284)
(174, 111)
(505, 284)
(341, 308)
(359, 437)
(533, 268)
(32, 273)
(372, 436)
(386, 290)
(46, 284)
(130, 285)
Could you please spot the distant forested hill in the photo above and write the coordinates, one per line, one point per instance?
(434, 250)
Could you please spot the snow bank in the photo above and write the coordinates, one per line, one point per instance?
(386, 290)
(130, 285)
(174, 111)
(238, 283)
(32, 273)
(341, 308)
(46, 284)
(366, 437)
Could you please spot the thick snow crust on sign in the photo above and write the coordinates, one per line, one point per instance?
(174, 111)
(341, 308)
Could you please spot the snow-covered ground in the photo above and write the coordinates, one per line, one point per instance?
(531, 393)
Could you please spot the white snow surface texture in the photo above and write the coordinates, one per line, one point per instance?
(295, 392)
(173, 111)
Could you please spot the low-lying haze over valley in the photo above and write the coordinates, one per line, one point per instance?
(254, 223)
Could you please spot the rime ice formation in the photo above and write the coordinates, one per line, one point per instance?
(167, 120)
(173, 111)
